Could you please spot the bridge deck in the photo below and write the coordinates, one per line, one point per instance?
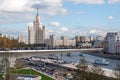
(53, 50)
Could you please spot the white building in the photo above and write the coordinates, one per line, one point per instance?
(80, 38)
(99, 38)
(112, 43)
(21, 39)
(36, 33)
(64, 41)
(85, 45)
(87, 39)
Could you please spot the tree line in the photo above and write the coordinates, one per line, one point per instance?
(83, 72)
(9, 43)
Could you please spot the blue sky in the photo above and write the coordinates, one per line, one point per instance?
(61, 17)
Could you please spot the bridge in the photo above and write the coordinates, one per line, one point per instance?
(12, 55)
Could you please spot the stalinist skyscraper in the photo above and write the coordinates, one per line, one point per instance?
(36, 33)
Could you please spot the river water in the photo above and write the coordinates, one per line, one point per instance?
(90, 59)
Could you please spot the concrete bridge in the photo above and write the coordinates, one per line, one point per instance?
(12, 55)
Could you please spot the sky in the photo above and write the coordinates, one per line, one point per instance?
(61, 17)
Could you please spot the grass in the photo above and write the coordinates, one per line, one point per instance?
(33, 72)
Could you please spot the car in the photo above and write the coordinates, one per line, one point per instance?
(71, 69)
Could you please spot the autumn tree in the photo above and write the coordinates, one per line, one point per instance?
(9, 43)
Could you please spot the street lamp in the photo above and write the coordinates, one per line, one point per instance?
(61, 66)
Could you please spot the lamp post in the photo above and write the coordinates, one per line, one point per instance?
(5, 64)
(61, 67)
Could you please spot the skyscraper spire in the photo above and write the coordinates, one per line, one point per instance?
(37, 11)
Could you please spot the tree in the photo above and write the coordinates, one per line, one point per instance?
(83, 66)
(0, 35)
(4, 60)
(6, 63)
(96, 69)
(97, 73)
(19, 64)
(82, 70)
(117, 71)
(22, 44)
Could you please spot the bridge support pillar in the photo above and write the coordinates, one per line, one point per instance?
(12, 61)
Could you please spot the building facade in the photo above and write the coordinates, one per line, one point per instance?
(36, 33)
(64, 41)
(112, 43)
(21, 39)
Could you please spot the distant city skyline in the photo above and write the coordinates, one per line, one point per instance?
(61, 17)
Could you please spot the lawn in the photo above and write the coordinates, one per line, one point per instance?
(33, 72)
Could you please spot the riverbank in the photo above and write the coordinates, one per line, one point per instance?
(107, 72)
(104, 55)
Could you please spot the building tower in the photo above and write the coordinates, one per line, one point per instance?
(36, 33)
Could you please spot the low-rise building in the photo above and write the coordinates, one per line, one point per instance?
(64, 41)
(85, 45)
(99, 38)
(98, 44)
(77, 38)
(87, 39)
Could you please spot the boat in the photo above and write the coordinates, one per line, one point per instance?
(52, 57)
(101, 62)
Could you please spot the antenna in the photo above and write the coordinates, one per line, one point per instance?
(37, 11)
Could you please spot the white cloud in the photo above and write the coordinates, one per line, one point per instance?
(14, 5)
(113, 1)
(50, 31)
(30, 24)
(87, 1)
(55, 24)
(15, 17)
(19, 11)
(15, 32)
(110, 17)
(58, 32)
(64, 29)
(94, 31)
(50, 7)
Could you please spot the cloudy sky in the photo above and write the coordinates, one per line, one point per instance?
(61, 17)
